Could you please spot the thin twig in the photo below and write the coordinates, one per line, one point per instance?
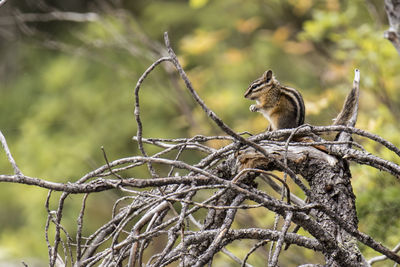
(108, 164)
(57, 222)
(254, 248)
(382, 258)
(282, 235)
(137, 110)
(46, 230)
(9, 156)
(236, 179)
(79, 229)
(51, 16)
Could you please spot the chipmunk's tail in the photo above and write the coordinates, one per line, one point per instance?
(348, 114)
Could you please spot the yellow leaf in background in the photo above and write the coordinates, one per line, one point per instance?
(390, 83)
(182, 60)
(301, 6)
(222, 99)
(218, 143)
(372, 124)
(197, 3)
(281, 34)
(336, 72)
(199, 77)
(315, 107)
(201, 42)
(333, 5)
(259, 123)
(248, 25)
(233, 55)
(298, 48)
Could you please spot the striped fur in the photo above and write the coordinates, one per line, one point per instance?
(297, 100)
(282, 106)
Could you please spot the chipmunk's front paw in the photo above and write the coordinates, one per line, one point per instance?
(253, 108)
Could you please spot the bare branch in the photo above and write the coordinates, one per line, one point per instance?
(137, 110)
(216, 119)
(213, 190)
(79, 230)
(279, 243)
(46, 17)
(382, 258)
(256, 246)
(9, 156)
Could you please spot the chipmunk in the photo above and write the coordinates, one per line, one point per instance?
(282, 106)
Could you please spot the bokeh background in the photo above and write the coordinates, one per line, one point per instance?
(67, 81)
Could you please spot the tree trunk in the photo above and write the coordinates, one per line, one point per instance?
(328, 178)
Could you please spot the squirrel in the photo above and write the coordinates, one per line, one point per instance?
(282, 106)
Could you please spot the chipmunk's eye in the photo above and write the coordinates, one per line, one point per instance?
(254, 87)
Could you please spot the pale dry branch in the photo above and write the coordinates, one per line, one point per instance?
(256, 246)
(79, 229)
(285, 228)
(3, 141)
(161, 211)
(137, 110)
(382, 258)
(46, 17)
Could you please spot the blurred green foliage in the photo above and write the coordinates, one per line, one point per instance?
(69, 91)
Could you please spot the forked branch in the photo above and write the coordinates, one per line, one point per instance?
(170, 203)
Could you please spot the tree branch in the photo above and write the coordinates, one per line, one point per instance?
(222, 182)
(51, 16)
(9, 156)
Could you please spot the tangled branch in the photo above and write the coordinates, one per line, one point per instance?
(191, 208)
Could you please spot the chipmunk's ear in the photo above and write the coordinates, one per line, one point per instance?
(267, 75)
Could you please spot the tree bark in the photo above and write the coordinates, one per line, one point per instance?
(328, 178)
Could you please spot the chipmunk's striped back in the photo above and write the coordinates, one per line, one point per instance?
(297, 100)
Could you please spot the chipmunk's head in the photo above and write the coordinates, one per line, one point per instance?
(260, 86)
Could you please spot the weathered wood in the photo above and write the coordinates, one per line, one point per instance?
(328, 178)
